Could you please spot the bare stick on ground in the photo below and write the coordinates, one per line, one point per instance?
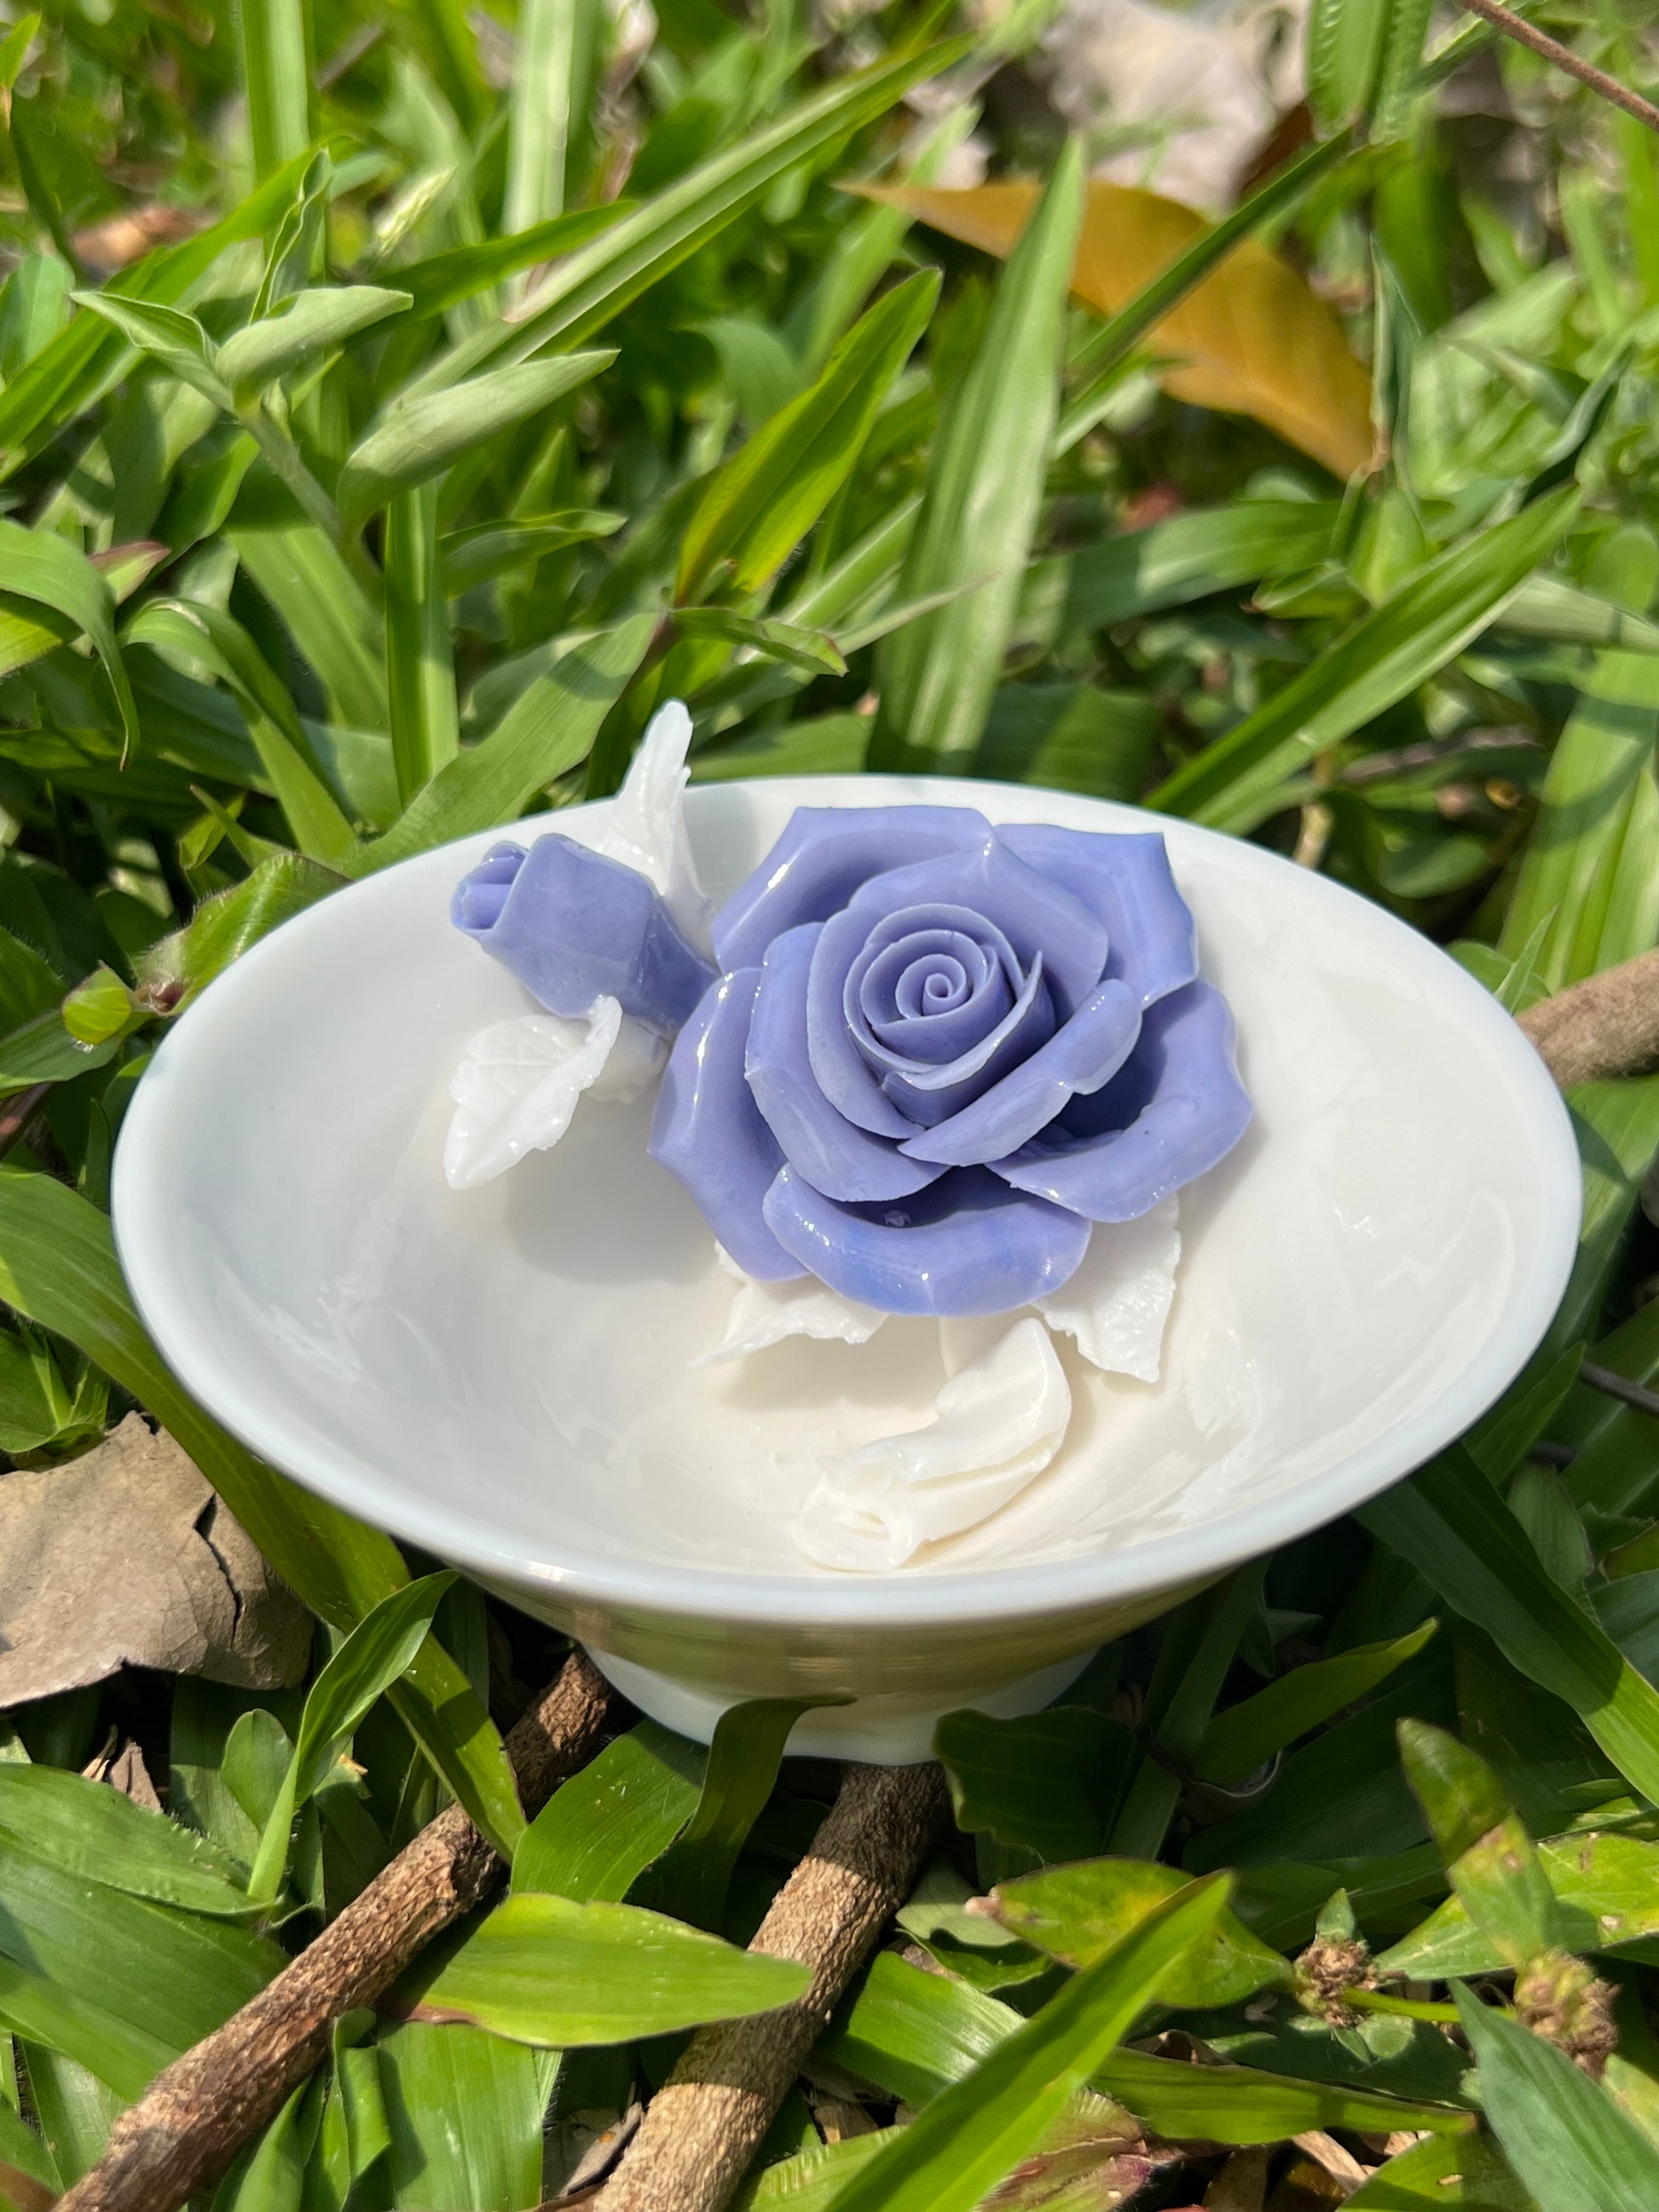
(1606, 1025)
(1516, 27)
(196, 2115)
(706, 2123)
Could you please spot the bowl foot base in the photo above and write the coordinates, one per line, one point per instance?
(888, 1731)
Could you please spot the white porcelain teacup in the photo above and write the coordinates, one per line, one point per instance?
(504, 1375)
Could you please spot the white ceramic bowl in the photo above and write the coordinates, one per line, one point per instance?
(502, 1376)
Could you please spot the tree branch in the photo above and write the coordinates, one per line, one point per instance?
(1606, 1025)
(706, 2123)
(196, 2115)
(1516, 27)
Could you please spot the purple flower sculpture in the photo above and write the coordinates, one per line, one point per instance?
(934, 1053)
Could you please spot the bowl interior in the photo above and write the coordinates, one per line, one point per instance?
(503, 1374)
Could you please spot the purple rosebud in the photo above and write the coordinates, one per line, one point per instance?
(574, 926)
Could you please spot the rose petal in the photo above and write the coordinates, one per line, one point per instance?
(996, 1424)
(958, 1246)
(646, 830)
(824, 853)
(765, 1314)
(1176, 1111)
(1087, 1052)
(835, 1155)
(1116, 1307)
(1034, 915)
(1126, 881)
(708, 1131)
(928, 1096)
(843, 1074)
(574, 926)
(939, 940)
(517, 1086)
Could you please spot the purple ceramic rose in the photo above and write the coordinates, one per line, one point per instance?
(931, 1056)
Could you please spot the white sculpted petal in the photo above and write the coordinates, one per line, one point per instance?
(764, 1314)
(1117, 1304)
(519, 1081)
(647, 827)
(997, 1424)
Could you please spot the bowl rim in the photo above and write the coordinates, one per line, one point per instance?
(814, 1598)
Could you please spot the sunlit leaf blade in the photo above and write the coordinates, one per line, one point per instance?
(444, 279)
(1246, 1735)
(1251, 337)
(1232, 783)
(768, 494)
(417, 436)
(693, 1876)
(420, 660)
(168, 335)
(1141, 571)
(1077, 1913)
(305, 328)
(1455, 1530)
(36, 565)
(1239, 2105)
(1565, 2137)
(979, 512)
(88, 1829)
(549, 727)
(962, 2143)
(68, 375)
(549, 1969)
(598, 280)
(463, 2118)
(600, 1830)
(379, 1650)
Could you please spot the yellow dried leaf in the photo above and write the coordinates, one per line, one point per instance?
(1252, 338)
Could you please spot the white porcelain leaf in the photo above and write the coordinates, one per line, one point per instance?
(996, 1424)
(646, 828)
(519, 1081)
(1116, 1306)
(764, 1314)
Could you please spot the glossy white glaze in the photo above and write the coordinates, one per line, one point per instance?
(505, 1375)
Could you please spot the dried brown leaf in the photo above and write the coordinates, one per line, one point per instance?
(126, 1558)
(1252, 337)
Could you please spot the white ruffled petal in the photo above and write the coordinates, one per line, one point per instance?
(1117, 1304)
(646, 826)
(764, 1314)
(516, 1087)
(997, 1424)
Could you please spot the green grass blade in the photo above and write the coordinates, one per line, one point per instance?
(600, 1831)
(967, 2140)
(420, 666)
(549, 729)
(334, 625)
(1459, 1534)
(378, 1651)
(274, 53)
(1567, 2140)
(744, 1756)
(549, 1971)
(67, 376)
(979, 514)
(768, 494)
(1247, 1734)
(36, 565)
(417, 436)
(1568, 874)
(217, 639)
(1233, 784)
(546, 88)
(598, 281)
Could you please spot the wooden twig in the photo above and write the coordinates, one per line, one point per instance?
(1606, 1025)
(706, 2123)
(195, 2116)
(1524, 33)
